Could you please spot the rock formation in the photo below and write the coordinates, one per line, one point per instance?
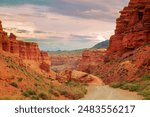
(24, 50)
(91, 59)
(64, 62)
(133, 27)
(78, 76)
(128, 55)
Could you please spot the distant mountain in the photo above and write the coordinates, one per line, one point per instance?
(103, 44)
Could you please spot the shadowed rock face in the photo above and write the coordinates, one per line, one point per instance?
(24, 50)
(132, 27)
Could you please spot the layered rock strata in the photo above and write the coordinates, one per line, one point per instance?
(133, 27)
(24, 50)
(91, 59)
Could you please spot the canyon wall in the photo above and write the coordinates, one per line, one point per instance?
(132, 29)
(24, 50)
(128, 54)
(64, 62)
(91, 59)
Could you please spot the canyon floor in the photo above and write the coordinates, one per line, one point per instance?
(107, 93)
(98, 91)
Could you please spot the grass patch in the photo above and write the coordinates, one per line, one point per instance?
(51, 89)
(28, 93)
(35, 97)
(141, 86)
(146, 77)
(131, 86)
(116, 85)
(72, 90)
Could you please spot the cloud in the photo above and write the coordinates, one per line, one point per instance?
(66, 24)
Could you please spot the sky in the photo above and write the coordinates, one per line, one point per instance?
(61, 24)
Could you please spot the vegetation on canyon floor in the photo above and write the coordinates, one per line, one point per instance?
(141, 86)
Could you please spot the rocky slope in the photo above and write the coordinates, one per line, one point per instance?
(25, 73)
(128, 55)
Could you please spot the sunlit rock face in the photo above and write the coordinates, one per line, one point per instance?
(24, 50)
(132, 27)
(91, 59)
(128, 55)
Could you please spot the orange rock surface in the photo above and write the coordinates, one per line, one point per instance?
(91, 59)
(82, 77)
(133, 27)
(128, 55)
(64, 62)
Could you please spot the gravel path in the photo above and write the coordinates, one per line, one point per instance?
(107, 93)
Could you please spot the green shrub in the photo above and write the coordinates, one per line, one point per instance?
(72, 83)
(14, 84)
(134, 88)
(20, 79)
(43, 96)
(72, 90)
(51, 90)
(25, 94)
(31, 92)
(64, 92)
(116, 85)
(35, 97)
(146, 77)
(28, 92)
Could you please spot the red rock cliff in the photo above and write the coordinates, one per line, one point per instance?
(128, 55)
(91, 59)
(133, 27)
(24, 50)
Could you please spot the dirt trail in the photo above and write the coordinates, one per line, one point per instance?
(107, 93)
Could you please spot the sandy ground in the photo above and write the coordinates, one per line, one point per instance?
(107, 93)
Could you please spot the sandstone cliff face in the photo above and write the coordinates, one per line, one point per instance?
(128, 55)
(24, 50)
(64, 62)
(91, 59)
(133, 27)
